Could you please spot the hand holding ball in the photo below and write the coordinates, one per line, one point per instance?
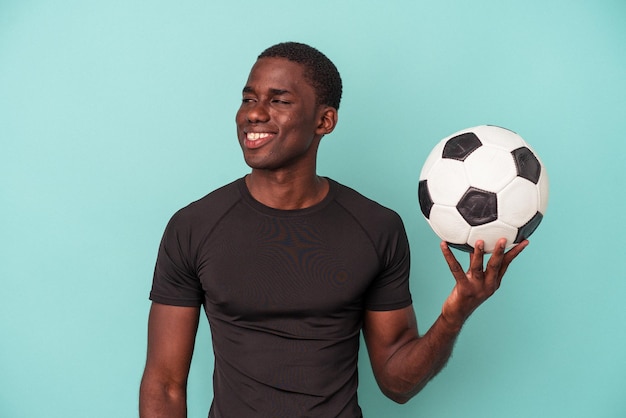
(483, 183)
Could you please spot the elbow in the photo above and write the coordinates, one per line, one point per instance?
(399, 398)
(156, 392)
(402, 392)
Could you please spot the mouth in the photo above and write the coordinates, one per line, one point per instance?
(253, 140)
(255, 136)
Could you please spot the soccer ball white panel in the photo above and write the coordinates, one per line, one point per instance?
(490, 168)
(498, 137)
(448, 224)
(433, 157)
(518, 202)
(490, 233)
(447, 181)
(543, 191)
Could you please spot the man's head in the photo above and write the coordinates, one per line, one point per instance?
(318, 69)
(288, 104)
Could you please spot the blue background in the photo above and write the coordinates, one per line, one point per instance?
(114, 114)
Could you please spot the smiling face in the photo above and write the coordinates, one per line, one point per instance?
(279, 123)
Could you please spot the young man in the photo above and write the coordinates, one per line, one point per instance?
(290, 268)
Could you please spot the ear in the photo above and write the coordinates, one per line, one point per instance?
(327, 120)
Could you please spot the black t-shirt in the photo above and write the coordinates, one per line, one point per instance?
(284, 293)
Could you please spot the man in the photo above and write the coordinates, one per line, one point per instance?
(290, 268)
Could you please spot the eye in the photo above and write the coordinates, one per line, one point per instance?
(281, 102)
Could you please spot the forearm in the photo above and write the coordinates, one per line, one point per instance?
(415, 363)
(171, 339)
(161, 400)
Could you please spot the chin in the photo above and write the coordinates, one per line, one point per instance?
(259, 165)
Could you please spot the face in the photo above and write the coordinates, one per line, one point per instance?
(279, 124)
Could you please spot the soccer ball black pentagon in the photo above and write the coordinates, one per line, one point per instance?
(483, 183)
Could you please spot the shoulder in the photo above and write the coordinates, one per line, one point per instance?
(205, 212)
(365, 209)
(214, 203)
(382, 225)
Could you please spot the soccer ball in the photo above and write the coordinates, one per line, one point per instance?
(483, 183)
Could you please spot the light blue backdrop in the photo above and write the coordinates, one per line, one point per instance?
(113, 114)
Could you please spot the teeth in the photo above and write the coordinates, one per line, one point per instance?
(253, 136)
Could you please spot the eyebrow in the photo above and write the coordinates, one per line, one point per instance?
(274, 92)
(278, 92)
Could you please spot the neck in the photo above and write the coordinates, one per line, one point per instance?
(286, 192)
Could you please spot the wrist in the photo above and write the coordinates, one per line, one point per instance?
(451, 325)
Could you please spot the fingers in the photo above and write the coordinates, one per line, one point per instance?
(496, 266)
(480, 281)
(476, 261)
(497, 256)
(499, 261)
(493, 270)
(453, 263)
(515, 251)
(511, 254)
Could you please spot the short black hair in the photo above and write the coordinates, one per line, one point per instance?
(318, 69)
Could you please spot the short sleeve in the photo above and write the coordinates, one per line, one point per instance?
(175, 281)
(390, 290)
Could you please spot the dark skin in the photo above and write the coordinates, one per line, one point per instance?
(279, 127)
(279, 105)
(402, 360)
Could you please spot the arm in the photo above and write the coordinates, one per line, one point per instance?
(402, 360)
(171, 337)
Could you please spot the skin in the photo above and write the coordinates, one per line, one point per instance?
(402, 360)
(279, 102)
(279, 128)
(171, 338)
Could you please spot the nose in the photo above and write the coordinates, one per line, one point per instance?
(257, 113)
